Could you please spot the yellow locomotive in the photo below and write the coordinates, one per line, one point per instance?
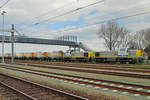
(122, 56)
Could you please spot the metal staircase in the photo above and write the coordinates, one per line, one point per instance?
(84, 47)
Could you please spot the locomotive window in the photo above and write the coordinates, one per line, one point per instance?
(85, 54)
(97, 54)
(122, 49)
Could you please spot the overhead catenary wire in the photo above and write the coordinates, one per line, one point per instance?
(55, 17)
(44, 14)
(77, 10)
(114, 12)
(85, 25)
(4, 4)
(117, 12)
(66, 13)
(118, 18)
(1, 0)
(18, 32)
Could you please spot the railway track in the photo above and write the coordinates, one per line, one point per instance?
(9, 93)
(92, 65)
(96, 71)
(135, 89)
(103, 67)
(34, 91)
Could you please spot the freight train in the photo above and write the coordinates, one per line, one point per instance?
(122, 56)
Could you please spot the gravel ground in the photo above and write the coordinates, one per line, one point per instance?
(3, 97)
(87, 92)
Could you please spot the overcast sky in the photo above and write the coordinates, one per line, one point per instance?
(25, 13)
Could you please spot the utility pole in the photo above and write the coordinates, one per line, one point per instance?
(12, 44)
(3, 39)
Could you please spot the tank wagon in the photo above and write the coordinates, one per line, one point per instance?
(123, 55)
(47, 56)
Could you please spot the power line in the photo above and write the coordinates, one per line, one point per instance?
(4, 4)
(56, 17)
(66, 13)
(53, 10)
(18, 32)
(117, 11)
(119, 18)
(123, 10)
(1, 0)
(63, 13)
(137, 14)
(92, 4)
(94, 23)
(48, 13)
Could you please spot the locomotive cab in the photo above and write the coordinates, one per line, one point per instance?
(123, 52)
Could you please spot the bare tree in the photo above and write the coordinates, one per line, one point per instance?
(124, 38)
(141, 39)
(114, 36)
(147, 36)
(147, 39)
(132, 41)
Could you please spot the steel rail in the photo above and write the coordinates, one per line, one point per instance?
(125, 74)
(89, 83)
(16, 90)
(74, 76)
(99, 67)
(46, 87)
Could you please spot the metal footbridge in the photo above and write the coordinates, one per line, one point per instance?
(29, 40)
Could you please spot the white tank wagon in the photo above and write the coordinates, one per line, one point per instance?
(57, 56)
